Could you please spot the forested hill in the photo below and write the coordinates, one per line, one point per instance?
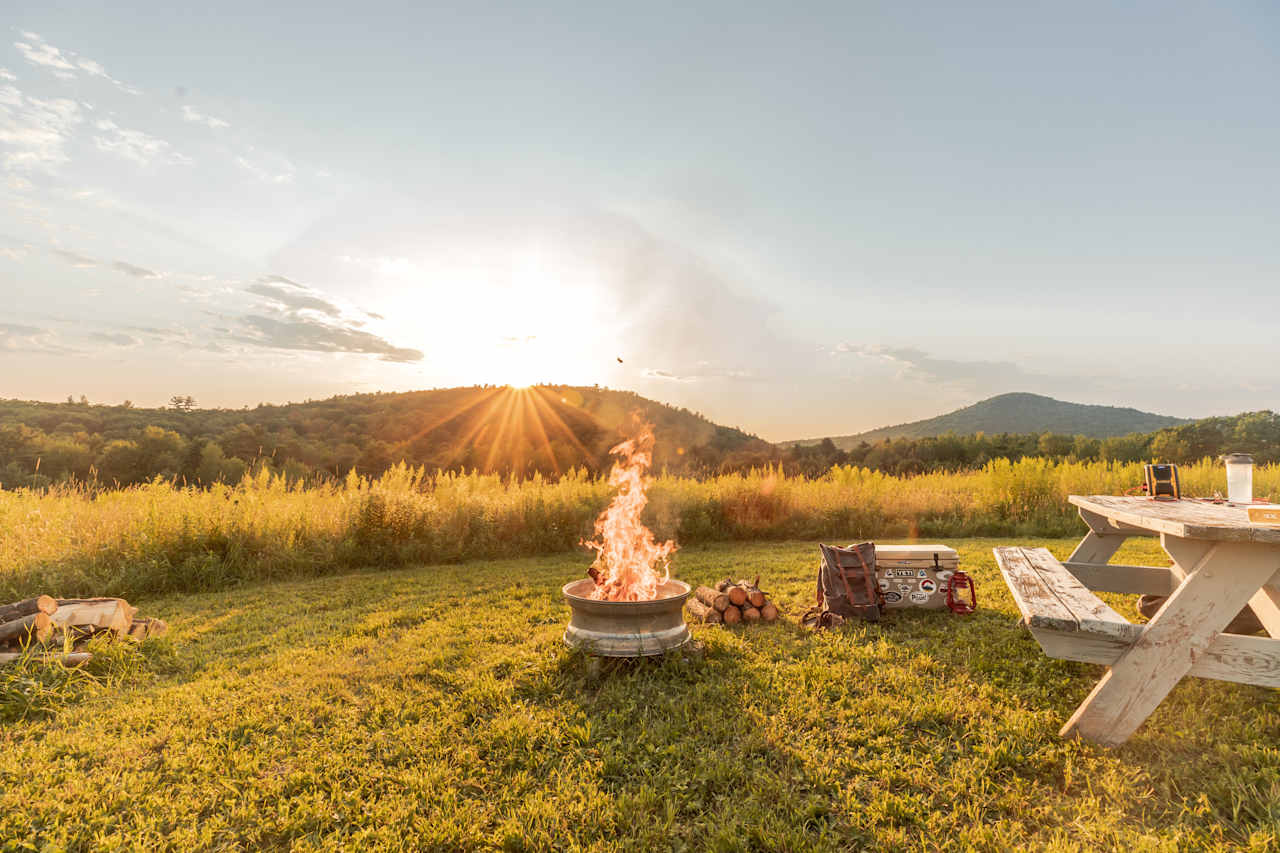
(1019, 413)
(547, 429)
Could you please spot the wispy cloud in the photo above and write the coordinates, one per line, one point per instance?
(916, 364)
(34, 131)
(116, 339)
(303, 318)
(76, 260)
(270, 170)
(135, 145)
(301, 333)
(7, 75)
(697, 373)
(292, 297)
(133, 270)
(18, 338)
(85, 262)
(12, 248)
(191, 115)
(65, 65)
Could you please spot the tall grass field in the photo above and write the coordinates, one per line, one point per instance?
(161, 537)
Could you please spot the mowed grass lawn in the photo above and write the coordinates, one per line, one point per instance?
(435, 708)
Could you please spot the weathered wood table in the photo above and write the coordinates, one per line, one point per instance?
(1221, 562)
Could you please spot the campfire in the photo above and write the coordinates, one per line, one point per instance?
(628, 559)
(629, 605)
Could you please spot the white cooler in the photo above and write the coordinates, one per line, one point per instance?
(915, 575)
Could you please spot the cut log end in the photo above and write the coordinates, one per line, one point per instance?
(750, 614)
(703, 612)
(732, 615)
(769, 613)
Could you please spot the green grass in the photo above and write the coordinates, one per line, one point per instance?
(435, 708)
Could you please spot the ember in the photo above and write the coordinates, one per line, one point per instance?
(629, 565)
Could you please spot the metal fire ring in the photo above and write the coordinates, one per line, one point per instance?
(624, 629)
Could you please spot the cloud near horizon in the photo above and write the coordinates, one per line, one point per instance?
(296, 326)
(918, 365)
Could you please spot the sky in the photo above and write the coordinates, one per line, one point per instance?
(801, 219)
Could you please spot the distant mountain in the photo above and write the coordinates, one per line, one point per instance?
(1018, 413)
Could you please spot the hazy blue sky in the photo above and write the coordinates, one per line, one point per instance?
(804, 219)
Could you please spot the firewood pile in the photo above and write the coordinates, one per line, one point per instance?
(732, 602)
(60, 628)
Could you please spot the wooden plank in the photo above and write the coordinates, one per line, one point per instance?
(1185, 519)
(1137, 580)
(1040, 607)
(1179, 635)
(1230, 657)
(1092, 614)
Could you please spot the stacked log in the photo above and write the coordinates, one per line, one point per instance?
(732, 602)
(59, 629)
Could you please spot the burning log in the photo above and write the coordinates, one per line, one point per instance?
(704, 612)
(711, 598)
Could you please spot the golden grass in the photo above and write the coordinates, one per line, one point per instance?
(163, 537)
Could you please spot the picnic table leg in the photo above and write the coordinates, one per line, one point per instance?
(1216, 587)
(1265, 604)
(1100, 543)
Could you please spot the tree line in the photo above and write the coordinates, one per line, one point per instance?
(485, 429)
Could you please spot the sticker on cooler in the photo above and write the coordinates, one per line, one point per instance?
(892, 597)
(944, 575)
(928, 586)
(919, 597)
(904, 587)
(884, 584)
(900, 573)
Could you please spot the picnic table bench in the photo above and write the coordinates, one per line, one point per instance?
(1221, 562)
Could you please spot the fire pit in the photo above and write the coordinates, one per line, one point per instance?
(629, 606)
(624, 629)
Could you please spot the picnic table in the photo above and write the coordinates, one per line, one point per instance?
(1221, 563)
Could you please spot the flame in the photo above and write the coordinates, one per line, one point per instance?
(630, 565)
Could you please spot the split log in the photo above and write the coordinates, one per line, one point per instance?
(711, 598)
(703, 612)
(35, 626)
(115, 614)
(143, 628)
(732, 615)
(39, 604)
(750, 614)
(68, 659)
(755, 597)
(769, 612)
